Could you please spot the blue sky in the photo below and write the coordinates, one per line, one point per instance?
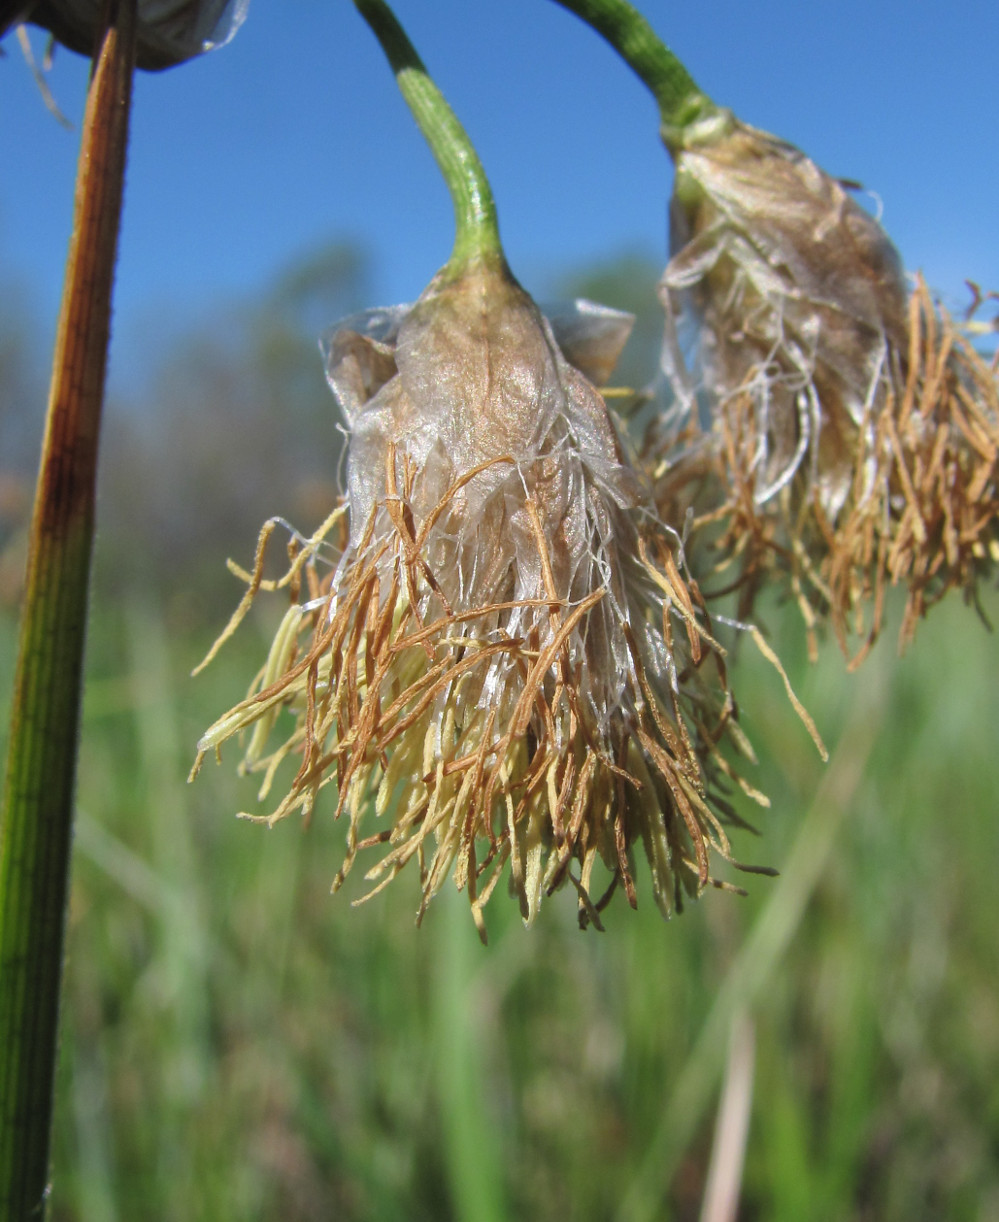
(294, 134)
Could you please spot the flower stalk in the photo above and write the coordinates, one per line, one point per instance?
(681, 103)
(476, 226)
(37, 813)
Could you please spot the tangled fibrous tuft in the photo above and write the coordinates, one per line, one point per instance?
(505, 663)
(851, 432)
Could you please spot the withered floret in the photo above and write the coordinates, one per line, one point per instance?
(506, 664)
(852, 434)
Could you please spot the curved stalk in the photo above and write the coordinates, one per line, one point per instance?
(681, 103)
(476, 226)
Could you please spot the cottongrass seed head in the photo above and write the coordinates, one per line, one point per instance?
(504, 668)
(852, 429)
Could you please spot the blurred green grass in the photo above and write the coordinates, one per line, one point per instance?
(239, 1044)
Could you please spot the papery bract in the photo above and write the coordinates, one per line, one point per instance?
(799, 296)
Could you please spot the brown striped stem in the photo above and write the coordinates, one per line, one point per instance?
(36, 816)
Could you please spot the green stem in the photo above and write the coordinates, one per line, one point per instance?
(680, 101)
(37, 811)
(476, 227)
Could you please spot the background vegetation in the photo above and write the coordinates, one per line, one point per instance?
(237, 1044)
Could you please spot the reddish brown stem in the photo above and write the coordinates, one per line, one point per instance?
(36, 819)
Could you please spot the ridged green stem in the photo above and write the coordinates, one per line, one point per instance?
(680, 101)
(476, 227)
(36, 817)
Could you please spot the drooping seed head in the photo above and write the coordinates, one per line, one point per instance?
(506, 663)
(849, 427)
